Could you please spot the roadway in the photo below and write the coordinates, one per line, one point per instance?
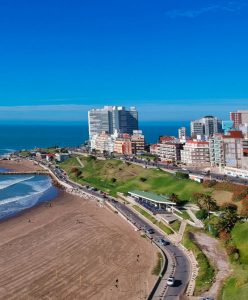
(182, 268)
(188, 170)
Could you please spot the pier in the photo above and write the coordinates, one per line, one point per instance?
(25, 173)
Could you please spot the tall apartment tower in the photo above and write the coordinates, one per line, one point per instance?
(182, 133)
(111, 118)
(240, 117)
(206, 126)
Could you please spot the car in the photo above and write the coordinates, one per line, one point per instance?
(162, 242)
(170, 281)
(150, 231)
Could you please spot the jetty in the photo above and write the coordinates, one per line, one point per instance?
(42, 172)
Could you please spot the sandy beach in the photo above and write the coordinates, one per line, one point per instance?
(73, 249)
(19, 165)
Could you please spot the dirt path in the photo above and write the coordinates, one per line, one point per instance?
(73, 250)
(219, 259)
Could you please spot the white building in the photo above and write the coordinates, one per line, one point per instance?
(195, 153)
(216, 150)
(111, 118)
(233, 148)
(170, 151)
(102, 142)
(205, 126)
(182, 133)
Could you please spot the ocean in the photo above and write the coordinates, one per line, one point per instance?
(18, 137)
(19, 192)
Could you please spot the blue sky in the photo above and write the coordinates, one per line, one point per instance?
(173, 59)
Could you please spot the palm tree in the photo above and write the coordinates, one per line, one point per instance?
(208, 203)
(174, 198)
(227, 221)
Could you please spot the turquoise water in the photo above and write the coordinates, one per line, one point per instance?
(19, 192)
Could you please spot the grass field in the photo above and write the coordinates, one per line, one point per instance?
(114, 176)
(206, 271)
(236, 287)
(161, 225)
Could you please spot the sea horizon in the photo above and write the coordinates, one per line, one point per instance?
(18, 136)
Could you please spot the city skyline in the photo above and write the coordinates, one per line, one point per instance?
(172, 60)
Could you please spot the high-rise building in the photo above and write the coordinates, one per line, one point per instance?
(236, 118)
(216, 150)
(239, 117)
(111, 118)
(182, 133)
(232, 143)
(205, 126)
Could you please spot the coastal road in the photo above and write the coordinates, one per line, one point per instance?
(182, 265)
(175, 256)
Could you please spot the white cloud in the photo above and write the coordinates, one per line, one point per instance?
(231, 6)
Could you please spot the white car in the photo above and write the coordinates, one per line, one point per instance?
(170, 281)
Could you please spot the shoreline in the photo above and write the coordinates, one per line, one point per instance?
(72, 249)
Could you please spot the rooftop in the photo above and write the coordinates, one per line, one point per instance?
(152, 197)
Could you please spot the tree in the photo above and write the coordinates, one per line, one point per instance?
(207, 202)
(174, 198)
(227, 220)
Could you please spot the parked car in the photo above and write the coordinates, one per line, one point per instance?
(150, 231)
(170, 281)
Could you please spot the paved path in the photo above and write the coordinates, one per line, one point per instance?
(80, 162)
(197, 222)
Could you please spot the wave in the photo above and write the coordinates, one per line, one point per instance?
(9, 182)
(21, 199)
(40, 185)
(42, 190)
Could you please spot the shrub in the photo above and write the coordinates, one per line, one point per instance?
(224, 235)
(113, 179)
(229, 206)
(202, 214)
(231, 249)
(143, 179)
(182, 175)
(209, 183)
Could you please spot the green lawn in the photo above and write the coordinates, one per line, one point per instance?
(175, 225)
(206, 271)
(161, 225)
(114, 176)
(236, 287)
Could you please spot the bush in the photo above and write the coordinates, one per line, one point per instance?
(76, 171)
(143, 179)
(201, 214)
(113, 179)
(209, 183)
(182, 175)
(229, 206)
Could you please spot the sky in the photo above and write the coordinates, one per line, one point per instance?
(173, 59)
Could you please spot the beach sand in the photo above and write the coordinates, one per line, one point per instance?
(19, 165)
(73, 249)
